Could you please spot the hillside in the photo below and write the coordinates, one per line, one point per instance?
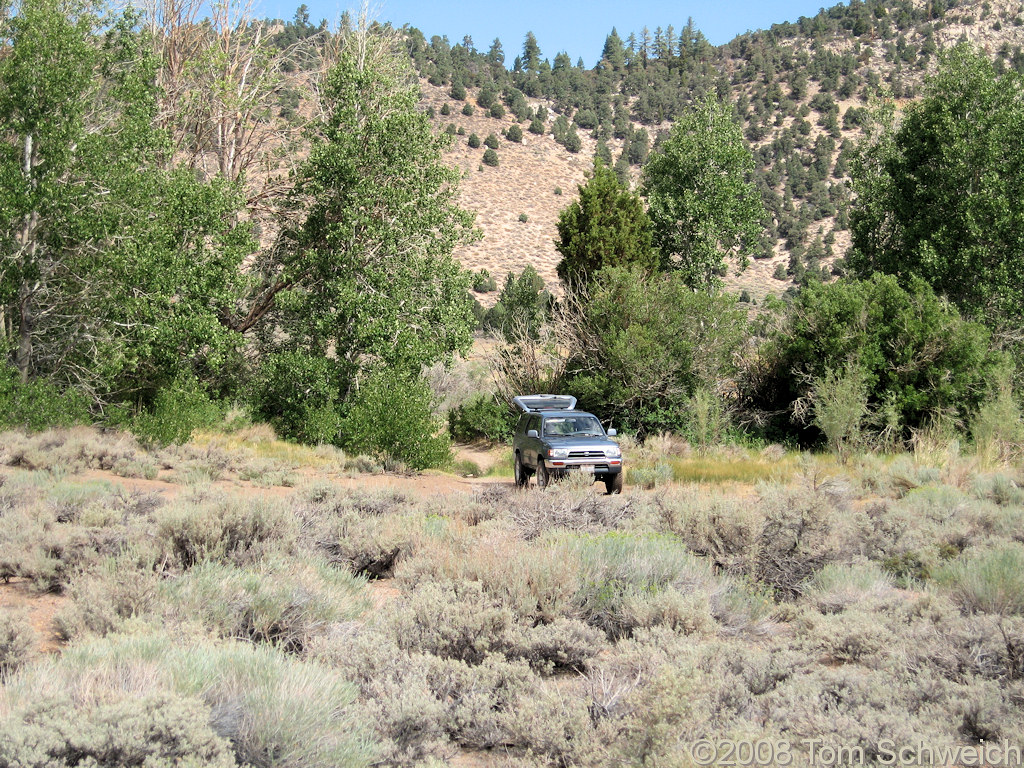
(803, 92)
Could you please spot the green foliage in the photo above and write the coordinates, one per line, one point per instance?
(497, 110)
(572, 142)
(646, 344)
(300, 395)
(491, 142)
(523, 218)
(917, 357)
(490, 158)
(458, 92)
(606, 226)
(523, 306)
(467, 109)
(474, 141)
(39, 405)
(446, 109)
(938, 193)
(481, 417)
(393, 415)
(514, 133)
(178, 409)
(701, 200)
(367, 279)
(839, 401)
(116, 272)
(483, 282)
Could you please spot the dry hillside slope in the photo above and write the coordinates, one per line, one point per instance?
(528, 174)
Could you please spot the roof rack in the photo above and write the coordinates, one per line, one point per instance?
(532, 403)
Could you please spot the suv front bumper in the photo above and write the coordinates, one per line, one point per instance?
(590, 465)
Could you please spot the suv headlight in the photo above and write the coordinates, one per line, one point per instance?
(559, 453)
(613, 451)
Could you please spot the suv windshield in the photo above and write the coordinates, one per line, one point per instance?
(563, 426)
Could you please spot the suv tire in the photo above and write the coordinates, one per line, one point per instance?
(613, 483)
(543, 478)
(522, 476)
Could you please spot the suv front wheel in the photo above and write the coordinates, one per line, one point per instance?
(613, 483)
(543, 478)
(522, 475)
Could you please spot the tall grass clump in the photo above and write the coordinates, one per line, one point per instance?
(997, 427)
(281, 603)
(629, 581)
(987, 582)
(836, 586)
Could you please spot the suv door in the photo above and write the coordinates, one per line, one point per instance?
(531, 445)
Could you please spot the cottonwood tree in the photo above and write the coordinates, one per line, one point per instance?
(115, 272)
(702, 202)
(366, 279)
(939, 192)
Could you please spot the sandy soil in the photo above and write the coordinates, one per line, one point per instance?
(40, 609)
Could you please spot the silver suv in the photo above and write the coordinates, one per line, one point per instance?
(553, 438)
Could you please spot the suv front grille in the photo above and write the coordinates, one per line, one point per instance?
(586, 454)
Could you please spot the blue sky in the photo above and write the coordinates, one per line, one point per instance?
(575, 27)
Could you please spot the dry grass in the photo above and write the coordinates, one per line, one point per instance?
(770, 595)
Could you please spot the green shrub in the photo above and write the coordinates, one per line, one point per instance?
(484, 282)
(467, 110)
(523, 301)
(537, 127)
(497, 110)
(491, 142)
(177, 411)
(298, 394)
(839, 400)
(514, 133)
(481, 417)
(650, 343)
(474, 141)
(917, 356)
(491, 158)
(451, 130)
(446, 109)
(523, 218)
(393, 415)
(572, 142)
(458, 92)
(997, 427)
(38, 405)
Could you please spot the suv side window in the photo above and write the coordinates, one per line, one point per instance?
(534, 424)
